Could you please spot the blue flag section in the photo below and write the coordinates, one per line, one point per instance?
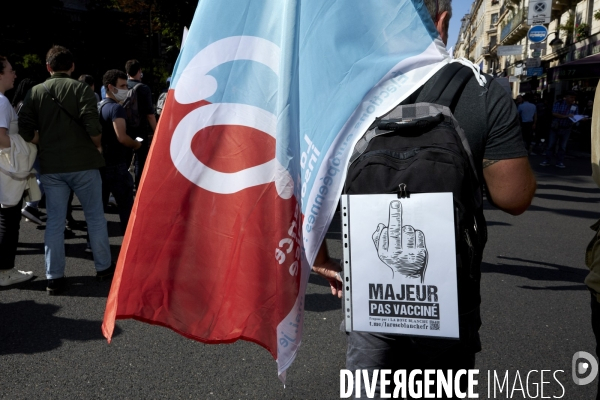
(268, 99)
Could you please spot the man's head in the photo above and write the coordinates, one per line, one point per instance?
(440, 12)
(88, 79)
(59, 59)
(519, 99)
(570, 97)
(133, 69)
(115, 82)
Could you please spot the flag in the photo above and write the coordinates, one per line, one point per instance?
(266, 103)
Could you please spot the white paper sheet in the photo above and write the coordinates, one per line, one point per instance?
(400, 264)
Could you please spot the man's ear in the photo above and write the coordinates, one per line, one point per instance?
(441, 25)
(50, 71)
(72, 68)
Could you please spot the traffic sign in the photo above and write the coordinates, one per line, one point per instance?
(537, 33)
(513, 50)
(539, 12)
(533, 62)
(537, 46)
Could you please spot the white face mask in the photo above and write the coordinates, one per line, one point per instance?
(120, 94)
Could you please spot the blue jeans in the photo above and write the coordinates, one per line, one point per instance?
(560, 135)
(87, 185)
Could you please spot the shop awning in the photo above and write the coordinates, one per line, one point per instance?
(584, 68)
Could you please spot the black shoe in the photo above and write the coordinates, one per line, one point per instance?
(107, 273)
(32, 214)
(57, 286)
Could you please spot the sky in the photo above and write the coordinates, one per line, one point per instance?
(459, 9)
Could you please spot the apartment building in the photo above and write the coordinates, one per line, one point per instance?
(478, 33)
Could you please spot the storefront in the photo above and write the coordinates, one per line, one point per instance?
(581, 75)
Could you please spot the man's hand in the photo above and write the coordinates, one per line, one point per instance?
(402, 248)
(329, 269)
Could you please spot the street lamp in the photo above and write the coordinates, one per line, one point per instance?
(555, 43)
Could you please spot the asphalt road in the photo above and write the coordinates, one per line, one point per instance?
(535, 317)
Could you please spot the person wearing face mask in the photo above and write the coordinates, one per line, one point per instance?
(116, 145)
(61, 116)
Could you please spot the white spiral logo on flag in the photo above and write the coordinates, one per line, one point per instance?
(194, 85)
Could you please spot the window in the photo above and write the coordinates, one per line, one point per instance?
(494, 20)
(492, 41)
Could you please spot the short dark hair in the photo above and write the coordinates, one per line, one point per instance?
(2, 64)
(571, 93)
(59, 58)
(86, 79)
(132, 67)
(111, 76)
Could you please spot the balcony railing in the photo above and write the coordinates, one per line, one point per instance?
(514, 22)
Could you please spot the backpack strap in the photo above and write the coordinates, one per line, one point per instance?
(101, 104)
(59, 104)
(449, 86)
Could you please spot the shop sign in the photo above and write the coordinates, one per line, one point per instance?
(535, 71)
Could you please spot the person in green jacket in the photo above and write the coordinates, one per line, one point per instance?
(60, 115)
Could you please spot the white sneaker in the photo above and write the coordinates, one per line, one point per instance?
(13, 276)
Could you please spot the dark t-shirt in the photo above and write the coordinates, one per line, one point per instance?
(145, 108)
(114, 152)
(489, 118)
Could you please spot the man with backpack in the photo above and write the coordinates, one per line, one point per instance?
(61, 116)
(141, 121)
(492, 152)
(117, 146)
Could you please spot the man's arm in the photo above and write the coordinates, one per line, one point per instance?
(36, 138)
(328, 269)
(510, 184)
(89, 112)
(97, 140)
(152, 122)
(121, 131)
(28, 125)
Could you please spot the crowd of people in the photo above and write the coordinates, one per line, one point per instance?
(58, 139)
(84, 144)
(547, 128)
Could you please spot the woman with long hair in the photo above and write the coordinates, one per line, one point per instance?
(11, 190)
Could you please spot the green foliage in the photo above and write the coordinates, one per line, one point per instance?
(581, 31)
(30, 61)
(568, 26)
(597, 14)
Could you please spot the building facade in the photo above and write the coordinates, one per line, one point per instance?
(574, 35)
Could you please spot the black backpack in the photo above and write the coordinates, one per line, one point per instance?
(131, 106)
(420, 148)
